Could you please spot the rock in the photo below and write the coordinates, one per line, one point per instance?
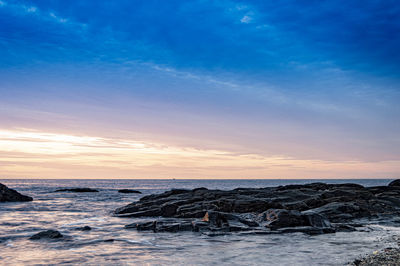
(311, 208)
(169, 209)
(306, 230)
(388, 256)
(129, 191)
(339, 211)
(49, 234)
(11, 195)
(278, 218)
(79, 190)
(84, 228)
(162, 225)
(147, 212)
(395, 183)
(316, 220)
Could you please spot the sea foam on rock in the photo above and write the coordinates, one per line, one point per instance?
(10, 195)
(310, 208)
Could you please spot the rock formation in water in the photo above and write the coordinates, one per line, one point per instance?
(129, 191)
(8, 194)
(79, 190)
(312, 208)
(48, 234)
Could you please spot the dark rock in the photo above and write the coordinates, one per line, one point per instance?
(11, 195)
(306, 230)
(168, 209)
(84, 228)
(311, 208)
(79, 190)
(278, 218)
(395, 183)
(146, 226)
(173, 225)
(129, 191)
(338, 211)
(147, 212)
(49, 234)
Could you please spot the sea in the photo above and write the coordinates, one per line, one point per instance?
(109, 243)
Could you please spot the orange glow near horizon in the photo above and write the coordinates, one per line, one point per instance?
(34, 154)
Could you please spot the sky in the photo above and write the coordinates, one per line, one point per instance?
(199, 89)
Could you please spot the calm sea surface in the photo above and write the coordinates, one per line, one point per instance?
(67, 211)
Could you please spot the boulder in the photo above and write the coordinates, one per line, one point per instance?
(48, 234)
(11, 195)
(278, 218)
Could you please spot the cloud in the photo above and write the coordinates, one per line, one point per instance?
(43, 154)
(246, 19)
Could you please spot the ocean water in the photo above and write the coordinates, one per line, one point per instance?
(67, 211)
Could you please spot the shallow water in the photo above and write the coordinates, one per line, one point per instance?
(109, 243)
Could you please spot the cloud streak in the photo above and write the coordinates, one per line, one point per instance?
(37, 154)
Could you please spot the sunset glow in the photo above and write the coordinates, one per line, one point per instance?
(46, 155)
(198, 90)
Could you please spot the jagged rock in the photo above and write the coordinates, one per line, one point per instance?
(395, 183)
(79, 190)
(49, 234)
(11, 195)
(339, 211)
(126, 191)
(311, 208)
(278, 218)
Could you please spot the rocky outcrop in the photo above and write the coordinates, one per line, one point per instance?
(9, 195)
(395, 183)
(48, 234)
(129, 191)
(312, 208)
(78, 190)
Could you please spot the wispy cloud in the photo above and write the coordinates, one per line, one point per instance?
(31, 153)
(246, 19)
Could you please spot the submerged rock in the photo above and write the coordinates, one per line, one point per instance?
(11, 195)
(84, 228)
(48, 234)
(309, 208)
(129, 191)
(79, 190)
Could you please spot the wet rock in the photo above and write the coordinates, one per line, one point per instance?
(339, 211)
(278, 218)
(161, 225)
(126, 191)
(78, 190)
(84, 228)
(311, 207)
(316, 220)
(144, 213)
(48, 234)
(395, 183)
(11, 195)
(388, 256)
(306, 230)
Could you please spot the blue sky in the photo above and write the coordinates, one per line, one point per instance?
(314, 80)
